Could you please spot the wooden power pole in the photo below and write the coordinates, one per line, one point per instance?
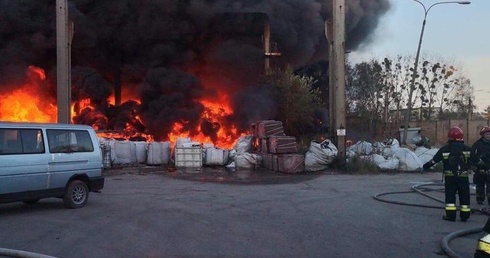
(335, 32)
(63, 65)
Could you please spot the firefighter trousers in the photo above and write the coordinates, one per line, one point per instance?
(482, 183)
(459, 185)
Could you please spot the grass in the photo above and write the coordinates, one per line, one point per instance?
(357, 166)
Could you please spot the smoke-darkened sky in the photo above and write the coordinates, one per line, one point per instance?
(173, 52)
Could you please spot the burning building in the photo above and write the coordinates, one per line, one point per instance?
(164, 68)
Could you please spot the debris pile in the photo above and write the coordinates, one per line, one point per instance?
(390, 156)
(267, 147)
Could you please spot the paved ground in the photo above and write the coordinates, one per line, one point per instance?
(150, 212)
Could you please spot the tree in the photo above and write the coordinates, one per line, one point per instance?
(487, 113)
(365, 89)
(461, 102)
(375, 89)
(298, 100)
(396, 80)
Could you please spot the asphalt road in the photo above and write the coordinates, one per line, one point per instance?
(161, 214)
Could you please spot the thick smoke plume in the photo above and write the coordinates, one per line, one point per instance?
(171, 53)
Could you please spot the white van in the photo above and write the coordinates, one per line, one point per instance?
(49, 160)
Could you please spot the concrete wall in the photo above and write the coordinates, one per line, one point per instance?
(437, 130)
(362, 129)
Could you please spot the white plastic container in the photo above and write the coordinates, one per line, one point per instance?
(189, 157)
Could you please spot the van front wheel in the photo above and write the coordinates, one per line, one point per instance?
(76, 195)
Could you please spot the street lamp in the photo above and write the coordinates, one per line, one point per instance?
(412, 84)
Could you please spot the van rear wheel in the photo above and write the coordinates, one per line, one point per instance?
(76, 195)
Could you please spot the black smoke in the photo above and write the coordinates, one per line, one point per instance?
(173, 52)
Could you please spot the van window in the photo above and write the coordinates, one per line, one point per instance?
(21, 141)
(61, 141)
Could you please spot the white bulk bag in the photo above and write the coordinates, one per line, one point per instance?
(425, 154)
(409, 161)
(247, 160)
(216, 157)
(123, 152)
(391, 146)
(158, 153)
(320, 155)
(244, 144)
(361, 148)
(378, 147)
(385, 164)
(141, 151)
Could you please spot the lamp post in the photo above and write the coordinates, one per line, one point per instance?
(412, 83)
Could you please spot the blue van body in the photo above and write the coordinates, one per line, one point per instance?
(40, 160)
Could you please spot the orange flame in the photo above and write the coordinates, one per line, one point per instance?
(27, 103)
(127, 94)
(227, 134)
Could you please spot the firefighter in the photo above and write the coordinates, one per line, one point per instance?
(456, 161)
(481, 178)
(483, 246)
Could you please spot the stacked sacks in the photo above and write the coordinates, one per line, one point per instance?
(408, 160)
(372, 152)
(390, 156)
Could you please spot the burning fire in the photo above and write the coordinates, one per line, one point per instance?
(28, 103)
(226, 136)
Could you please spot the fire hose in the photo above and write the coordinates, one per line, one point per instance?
(418, 188)
(21, 254)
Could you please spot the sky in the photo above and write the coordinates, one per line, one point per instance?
(452, 31)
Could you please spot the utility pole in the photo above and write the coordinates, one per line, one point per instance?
(331, 88)
(335, 32)
(63, 66)
(268, 51)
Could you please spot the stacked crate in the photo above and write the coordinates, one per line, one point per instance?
(279, 152)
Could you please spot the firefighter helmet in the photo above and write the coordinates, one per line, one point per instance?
(484, 130)
(455, 134)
